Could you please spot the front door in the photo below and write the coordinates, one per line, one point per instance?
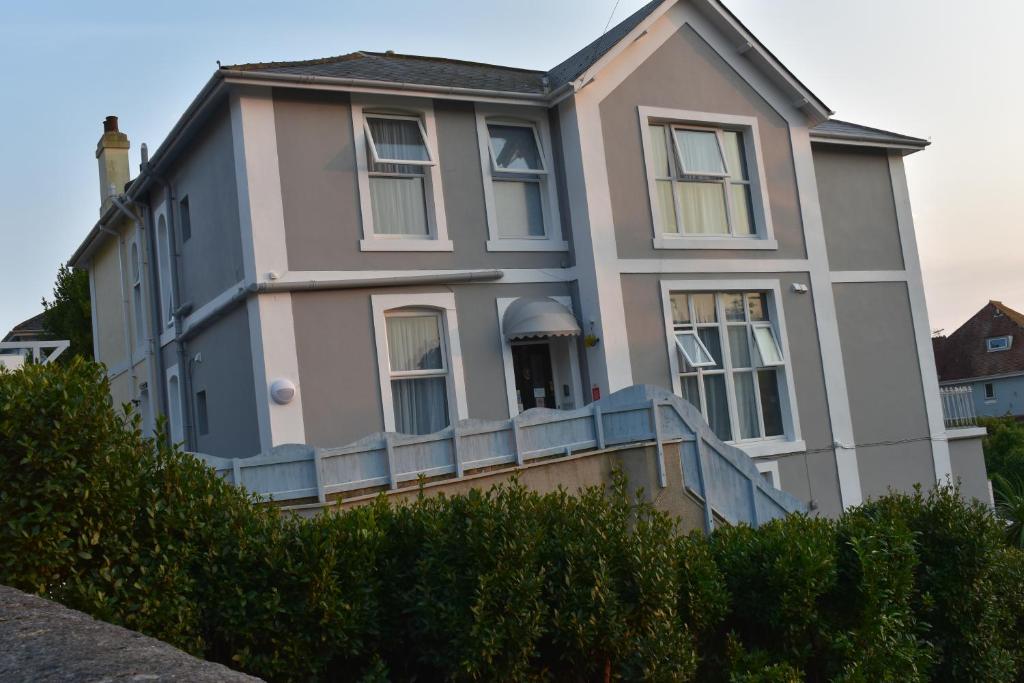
(535, 383)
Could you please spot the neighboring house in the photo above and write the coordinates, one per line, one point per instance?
(986, 354)
(27, 339)
(325, 249)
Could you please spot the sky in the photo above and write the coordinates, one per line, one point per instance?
(929, 68)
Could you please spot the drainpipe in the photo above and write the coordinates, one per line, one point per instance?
(176, 312)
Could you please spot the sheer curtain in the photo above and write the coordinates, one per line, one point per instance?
(414, 346)
(703, 208)
(397, 191)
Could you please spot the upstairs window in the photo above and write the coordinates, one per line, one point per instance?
(731, 365)
(185, 214)
(398, 152)
(1002, 343)
(401, 201)
(702, 182)
(517, 175)
(137, 307)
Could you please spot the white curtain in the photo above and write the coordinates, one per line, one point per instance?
(746, 405)
(398, 139)
(699, 152)
(718, 406)
(517, 205)
(414, 342)
(421, 404)
(703, 208)
(399, 206)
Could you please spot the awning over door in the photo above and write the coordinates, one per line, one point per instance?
(531, 317)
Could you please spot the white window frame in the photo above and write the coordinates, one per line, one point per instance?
(430, 161)
(747, 126)
(552, 239)
(164, 263)
(1007, 337)
(138, 300)
(175, 406)
(506, 357)
(791, 441)
(443, 303)
(989, 397)
(405, 108)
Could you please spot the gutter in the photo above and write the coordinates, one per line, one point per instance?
(835, 138)
(193, 326)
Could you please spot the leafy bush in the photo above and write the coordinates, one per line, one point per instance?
(1004, 447)
(506, 584)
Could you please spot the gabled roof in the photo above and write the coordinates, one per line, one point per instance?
(33, 327)
(844, 131)
(964, 354)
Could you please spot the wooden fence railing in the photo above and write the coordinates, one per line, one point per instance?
(712, 470)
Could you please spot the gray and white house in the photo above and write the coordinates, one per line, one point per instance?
(325, 249)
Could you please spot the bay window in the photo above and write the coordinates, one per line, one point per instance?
(729, 361)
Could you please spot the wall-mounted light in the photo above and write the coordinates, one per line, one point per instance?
(282, 391)
(799, 288)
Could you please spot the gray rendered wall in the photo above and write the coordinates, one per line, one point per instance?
(338, 359)
(321, 199)
(685, 73)
(883, 379)
(211, 260)
(649, 358)
(968, 460)
(857, 208)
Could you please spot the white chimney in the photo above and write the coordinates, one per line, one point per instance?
(112, 154)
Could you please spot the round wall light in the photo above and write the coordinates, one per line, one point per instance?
(282, 391)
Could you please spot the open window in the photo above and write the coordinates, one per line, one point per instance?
(699, 152)
(400, 197)
(693, 349)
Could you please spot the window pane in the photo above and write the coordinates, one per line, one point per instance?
(704, 308)
(712, 342)
(690, 391)
(414, 342)
(398, 139)
(399, 207)
(771, 406)
(518, 209)
(680, 309)
(421, 405)
(703, 207)
(767, 348)
(694, 354)
(758, 306)
(733, 305)
(741, 210)
(746, 405)
(699, 152)
(734, 154)
(718, 406)
(665, 211)
(515, 148)
(659, 152)
(739, 346)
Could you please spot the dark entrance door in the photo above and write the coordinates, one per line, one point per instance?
(535, 382)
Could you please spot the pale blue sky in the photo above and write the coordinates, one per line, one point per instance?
(936, 69)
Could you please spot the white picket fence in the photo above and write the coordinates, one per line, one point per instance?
(712, 469)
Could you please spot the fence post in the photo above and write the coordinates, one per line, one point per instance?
(321, 494)
(236, 471)
(390, 449)
(516, 442)
(755, 522)
(598, 426)
(709, 518)
(456, 439)
(662, 476)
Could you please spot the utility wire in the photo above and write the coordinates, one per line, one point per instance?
(609, 22)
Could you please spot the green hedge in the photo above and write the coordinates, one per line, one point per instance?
(499, 585)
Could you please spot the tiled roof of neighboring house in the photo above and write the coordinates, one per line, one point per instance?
(391, 67)
(834, 128)
(964, 354)
(26, 329)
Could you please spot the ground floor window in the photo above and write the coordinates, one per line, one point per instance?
(730, 362)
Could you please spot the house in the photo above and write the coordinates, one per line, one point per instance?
(26, 340)
(985, 356)
(375, 242)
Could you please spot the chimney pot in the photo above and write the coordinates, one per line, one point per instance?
(110, 124)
